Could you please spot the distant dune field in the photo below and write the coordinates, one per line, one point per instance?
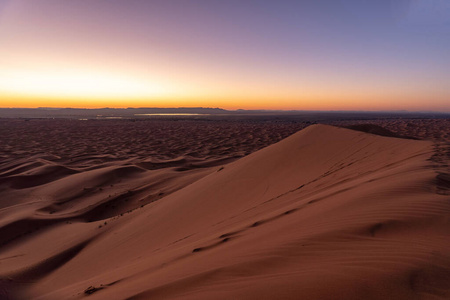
(223, 210)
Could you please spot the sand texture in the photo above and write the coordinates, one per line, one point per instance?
(325, 213)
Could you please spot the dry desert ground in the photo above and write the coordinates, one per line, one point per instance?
(201, 209)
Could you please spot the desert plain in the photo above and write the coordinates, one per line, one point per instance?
(185, 208)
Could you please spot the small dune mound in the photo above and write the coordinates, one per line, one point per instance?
(38, 176)
(377, 130)
(49, 264)
(155, 164)
(19, 168)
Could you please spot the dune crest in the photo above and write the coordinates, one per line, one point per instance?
(326, 213)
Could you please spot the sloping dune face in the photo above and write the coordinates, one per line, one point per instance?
(328, 213)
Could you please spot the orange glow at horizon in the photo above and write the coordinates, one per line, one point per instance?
(97, 87)
(299, 103)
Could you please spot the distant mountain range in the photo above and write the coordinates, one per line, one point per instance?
(48, 112)
(146, 112)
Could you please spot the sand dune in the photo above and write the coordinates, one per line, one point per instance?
(327, 213)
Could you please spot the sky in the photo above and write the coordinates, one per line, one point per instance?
(249, 54)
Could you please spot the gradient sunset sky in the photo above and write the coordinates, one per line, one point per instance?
(251, 54)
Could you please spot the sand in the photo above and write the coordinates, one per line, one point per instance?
(326, 213)
(437, 130)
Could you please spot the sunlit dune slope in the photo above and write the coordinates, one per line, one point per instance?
(328, 213)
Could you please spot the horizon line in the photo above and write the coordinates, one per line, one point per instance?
(233, 110)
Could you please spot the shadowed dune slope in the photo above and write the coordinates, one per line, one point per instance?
(327, 213)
